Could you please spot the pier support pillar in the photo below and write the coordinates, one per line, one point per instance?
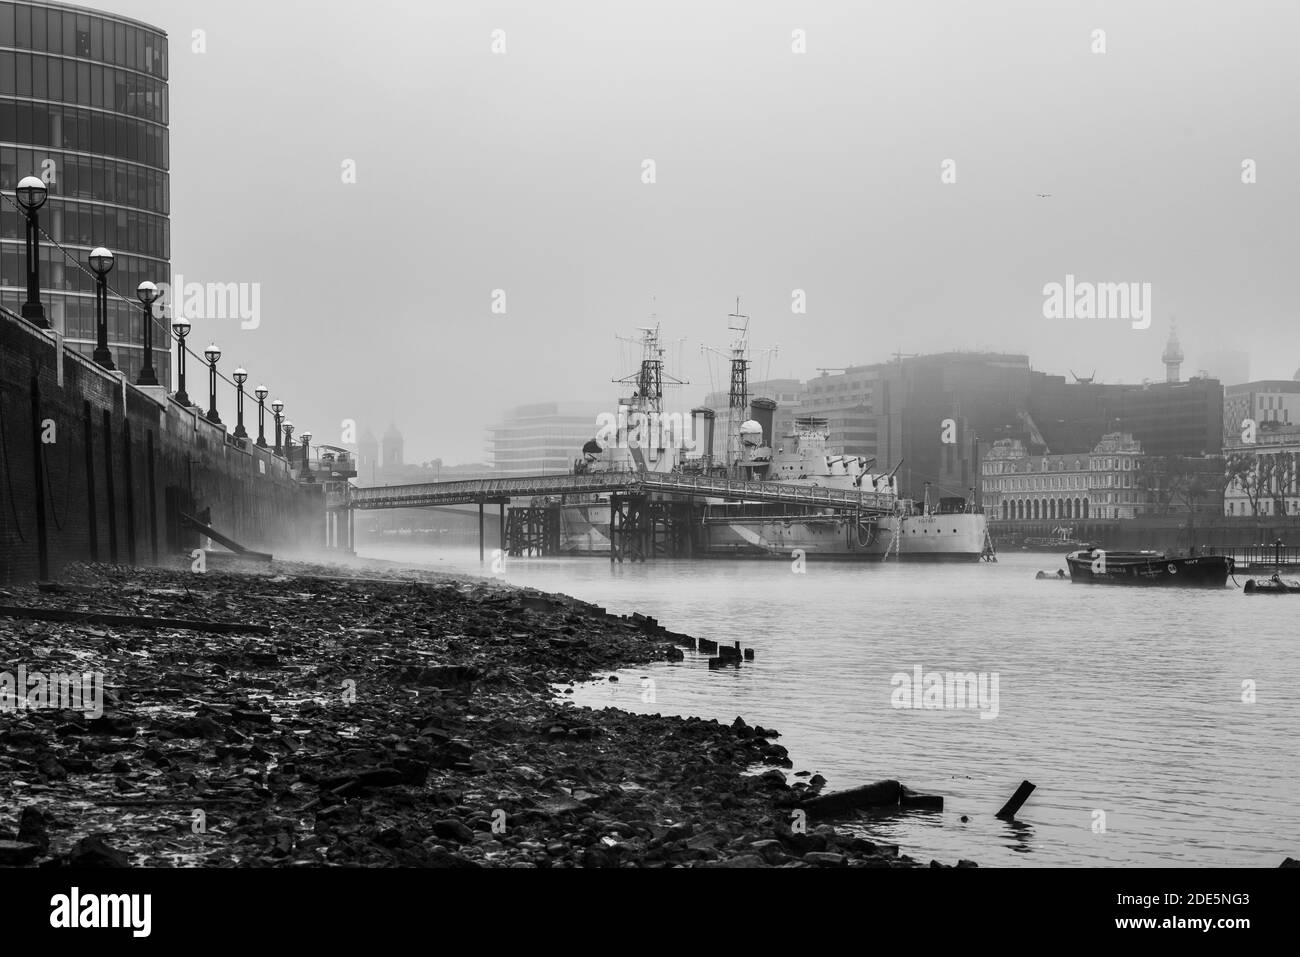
(480, 533)
(501, 527)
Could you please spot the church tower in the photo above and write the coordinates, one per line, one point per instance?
(393, 447)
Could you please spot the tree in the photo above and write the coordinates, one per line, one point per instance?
(1250, 473)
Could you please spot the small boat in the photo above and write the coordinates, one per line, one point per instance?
(1060, 576)
(1276, 585)
(1100, 567)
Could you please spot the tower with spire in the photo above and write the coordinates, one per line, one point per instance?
(1173, 357)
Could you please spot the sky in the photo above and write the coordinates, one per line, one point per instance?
(774, 171)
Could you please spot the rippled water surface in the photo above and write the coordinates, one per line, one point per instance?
(1124, 706)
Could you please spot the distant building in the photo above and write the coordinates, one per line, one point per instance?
(846, 400)
(543, 439)
(394, 447)
(367, 455)
(1269, 400)
(1263, 476)
(1103, 483)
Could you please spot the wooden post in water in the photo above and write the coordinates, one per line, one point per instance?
(1009, 809)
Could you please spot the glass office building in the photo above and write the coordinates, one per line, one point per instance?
(83, 105)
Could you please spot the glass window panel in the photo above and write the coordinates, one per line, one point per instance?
(6, 24)
(54, 33)
(97, 86)
(98, 143)
(83, 84)
(24, 74)
(110, 35)
(38, 30)
(119, 91)
(83, 36)
(69, 81)
(97, 38)
(55, 78)
(119, 44)
(132, 58)
(8, 83)
(23, 27)
(70, 168)
(24, 124)
(40, 78)
(9, 128)
(141, 63)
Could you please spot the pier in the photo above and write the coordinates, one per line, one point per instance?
(650, 512)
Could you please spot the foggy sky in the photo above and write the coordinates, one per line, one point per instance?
(775, 172)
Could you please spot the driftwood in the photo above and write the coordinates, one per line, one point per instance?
(1020, 797)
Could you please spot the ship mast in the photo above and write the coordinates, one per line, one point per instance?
(738, 395)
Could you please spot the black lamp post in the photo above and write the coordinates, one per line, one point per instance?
(277, 407)
(261, 392)
(213, 355)
(288, 441)
(241, 377)
(182, 329)
(101, 261)
(32, 194)
(306, 456)
(147, 293)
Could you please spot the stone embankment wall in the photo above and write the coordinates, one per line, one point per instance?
(97, 469)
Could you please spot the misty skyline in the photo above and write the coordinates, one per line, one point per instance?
(775, 171)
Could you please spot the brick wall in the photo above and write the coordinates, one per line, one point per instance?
(106, 468)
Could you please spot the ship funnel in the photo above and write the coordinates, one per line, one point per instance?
(763, 411)
(702, 425)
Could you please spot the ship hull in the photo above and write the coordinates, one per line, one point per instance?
(932, 538)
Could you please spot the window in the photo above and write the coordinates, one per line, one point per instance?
(23, 27)
(83, 36)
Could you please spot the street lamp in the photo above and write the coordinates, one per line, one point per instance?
(212, 354)
(261, 392)
(101, 261)
(241, 376)
(288, 441)
(147, 293)
(182, 329)
(277, 407)
(306, 455)
(31, 197)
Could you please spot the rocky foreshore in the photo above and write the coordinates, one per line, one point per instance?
(305, 715)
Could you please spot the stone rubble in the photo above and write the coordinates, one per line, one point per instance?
(406, 719)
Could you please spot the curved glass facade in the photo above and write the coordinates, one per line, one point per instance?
(84, 106)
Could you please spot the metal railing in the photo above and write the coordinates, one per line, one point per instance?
(485, 491)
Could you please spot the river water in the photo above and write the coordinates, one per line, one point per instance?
(1130, 709)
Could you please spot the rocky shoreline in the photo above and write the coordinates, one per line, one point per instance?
(300, 715)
